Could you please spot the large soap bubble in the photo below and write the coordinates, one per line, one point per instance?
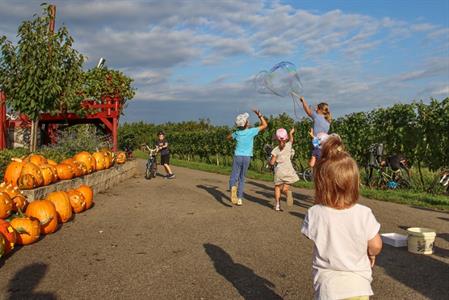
(282, 80)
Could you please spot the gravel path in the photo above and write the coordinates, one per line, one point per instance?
(182, 239)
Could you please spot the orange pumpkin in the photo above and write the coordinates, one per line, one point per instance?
(86, 158)
(76, 167)
(47, 174)
(10, 235)
(9, 189)
(100, 161)
(45, 212)
(52, 162)
(28, 229)
(109, 157)
(81, 167)
(19, 203)
(36, 159)
(19, 200)
(65, 171)
(77, 201)
(13, 171)
(67, 161)
(33, 170)
(27, 182)
(62, 204)
(6, 205)
(120, 157)
(55, 173)
(88, 195)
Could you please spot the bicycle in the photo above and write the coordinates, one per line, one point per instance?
(305, 173)
(389, 173)
(151, 166)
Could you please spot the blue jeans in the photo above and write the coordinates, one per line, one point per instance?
(239, 167)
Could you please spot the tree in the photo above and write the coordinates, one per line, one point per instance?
(42, 73)
(103, 82)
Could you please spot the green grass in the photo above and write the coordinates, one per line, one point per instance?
(419, 199)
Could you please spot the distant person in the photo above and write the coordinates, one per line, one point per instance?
(321, 122)
(345, 234)
(244, 136)
(162, 146)
(284, 173)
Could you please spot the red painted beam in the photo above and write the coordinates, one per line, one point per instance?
(107, 113)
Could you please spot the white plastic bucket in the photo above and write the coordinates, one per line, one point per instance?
(420, 240)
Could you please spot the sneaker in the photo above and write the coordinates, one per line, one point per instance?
(234, 195)
(239, 201)
(171, 176)
(278, 207)
(289, 198)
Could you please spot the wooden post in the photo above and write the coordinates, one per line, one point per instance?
(52, 9)
(3, 129)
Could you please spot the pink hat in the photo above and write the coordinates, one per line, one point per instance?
(281, 134)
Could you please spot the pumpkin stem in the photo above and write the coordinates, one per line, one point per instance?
(20, 212)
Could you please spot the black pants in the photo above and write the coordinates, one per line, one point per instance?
(165, 159)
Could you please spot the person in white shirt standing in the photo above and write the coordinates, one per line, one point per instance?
(345, 234)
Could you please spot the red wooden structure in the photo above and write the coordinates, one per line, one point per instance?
(104, 115)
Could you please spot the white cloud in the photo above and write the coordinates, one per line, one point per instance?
(152, 40)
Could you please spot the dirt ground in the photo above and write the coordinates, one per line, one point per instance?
(182, 239)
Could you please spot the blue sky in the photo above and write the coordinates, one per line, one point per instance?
(196, 59)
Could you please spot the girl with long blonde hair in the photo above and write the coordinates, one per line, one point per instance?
(322, 119)
(345, 234)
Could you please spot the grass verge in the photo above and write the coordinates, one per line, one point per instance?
(419, 199)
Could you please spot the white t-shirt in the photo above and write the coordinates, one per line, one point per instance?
(341, 268)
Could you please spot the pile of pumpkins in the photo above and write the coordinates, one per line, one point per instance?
(35, 170)
(23, 223)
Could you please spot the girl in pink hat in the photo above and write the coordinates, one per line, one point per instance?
(284, 173)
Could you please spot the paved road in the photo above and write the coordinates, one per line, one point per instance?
(181, 239)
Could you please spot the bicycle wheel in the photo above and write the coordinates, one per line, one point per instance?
(154, 169)
(404, 181)
(307, 175)
(148, 172)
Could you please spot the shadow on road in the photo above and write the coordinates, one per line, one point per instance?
(444, 236)
(26, 280)
(261, 201)
(429, 209)
(247, 283)
(269, 203)
(298, 196)
(298, 214)
(421, 273)
(218, 195)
